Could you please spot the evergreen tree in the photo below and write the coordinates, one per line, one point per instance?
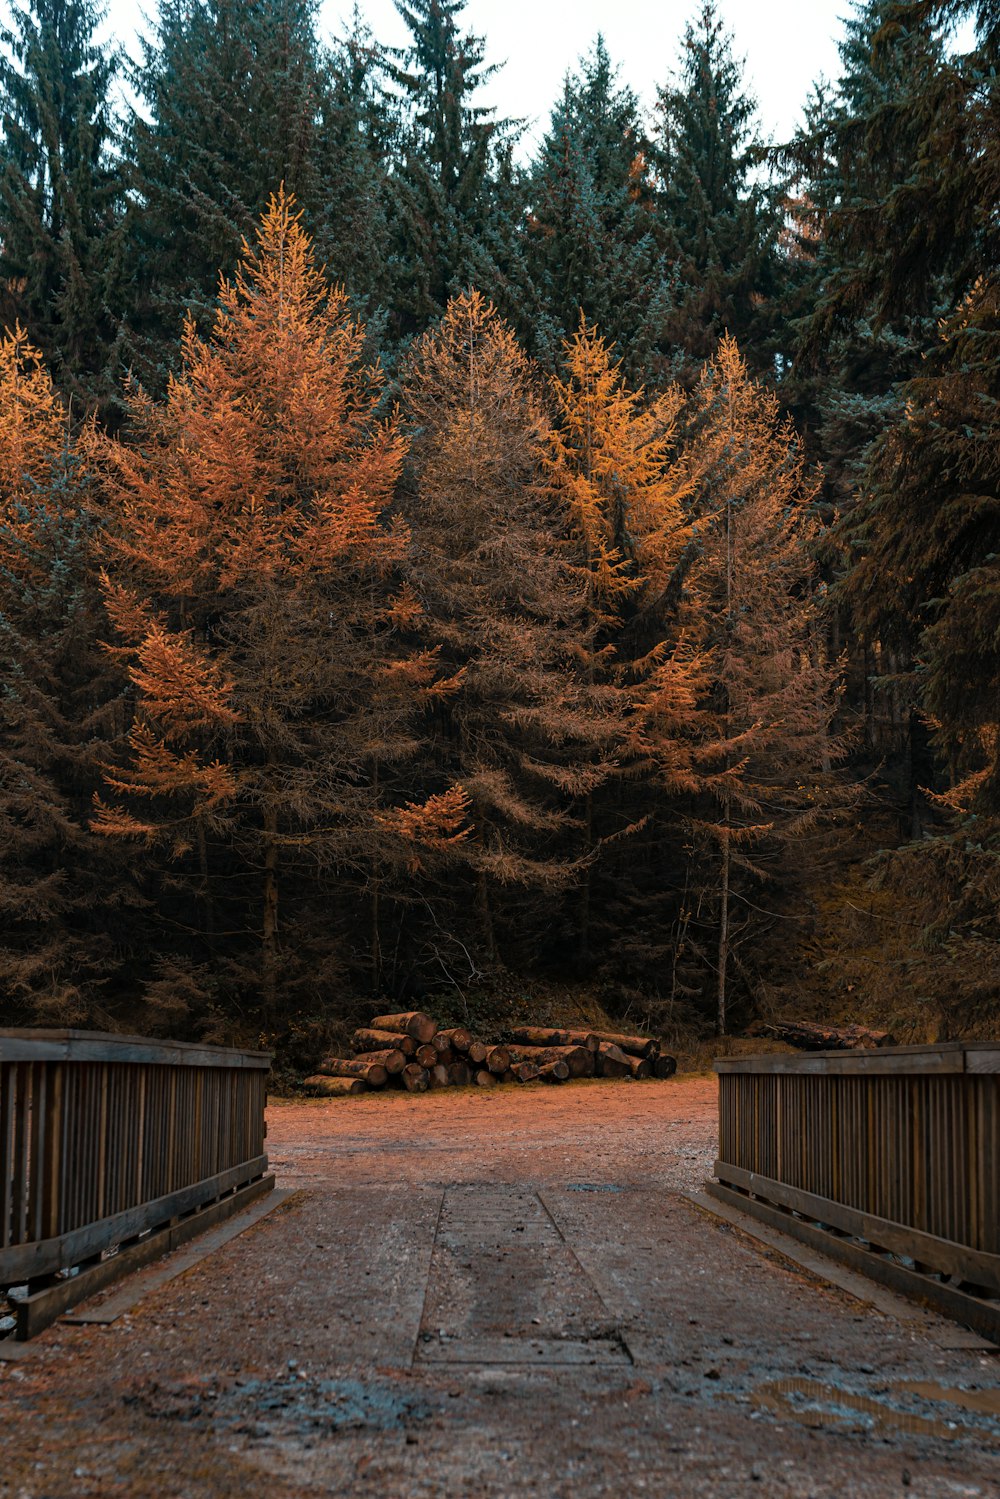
(610, 472)
(356, 140)
(522, 731)
(61, 197)
(591, 240)
(58, 891)
(767, 755)
(233, 96)
(721, 220)
(250, 583)
(906, 234)
(441, 183)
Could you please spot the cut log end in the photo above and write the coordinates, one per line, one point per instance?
(412, 1023)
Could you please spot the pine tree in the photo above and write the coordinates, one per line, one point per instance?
(767, 759)
(57, 893)
(233, 94)
(61, 194)
(722, 221)
(448, 150)
(356, 139)
(591, 240)
(611, 475)
(522, 731)
(250, 582)
(904, 240)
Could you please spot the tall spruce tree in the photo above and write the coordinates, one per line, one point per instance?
(231, 101)
(356, 140)
(926, 518)
(722, 219)
(770, 684)
(61, 193)
(591, 241)
(523, 731)
(442, 180)
(611, 472)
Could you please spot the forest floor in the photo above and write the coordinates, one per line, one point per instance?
(479, 1294)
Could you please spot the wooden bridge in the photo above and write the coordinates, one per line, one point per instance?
(114, 1150)
(887, 1160)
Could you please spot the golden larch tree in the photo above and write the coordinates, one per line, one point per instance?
(252, 581)
(521, 731)
(619, 489)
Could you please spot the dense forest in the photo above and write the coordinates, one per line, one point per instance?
(431, 571)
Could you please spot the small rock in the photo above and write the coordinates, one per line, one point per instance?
(712, 1374)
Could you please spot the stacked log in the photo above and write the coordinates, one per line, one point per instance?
(810, 1037)
(578, 1059)
(409, 1051)
(374, 1040)
(413, 1023)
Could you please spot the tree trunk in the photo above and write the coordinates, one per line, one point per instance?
(588, 837)
(578, 1059)
(269, 932)
(611, 1061)
(392, 1060)
(372, 1040)
(374, 1074)
(810, 1037)
(547, 1035)
(485, 916)
(208, 903)
(335, 1087)
(723, 931)
(411, 1023)
(458, 1038)
(639, 1046)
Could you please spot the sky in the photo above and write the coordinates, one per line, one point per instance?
(787, 44)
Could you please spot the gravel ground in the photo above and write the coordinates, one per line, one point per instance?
(482, 1294)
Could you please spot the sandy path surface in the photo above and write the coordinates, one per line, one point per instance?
(490, 1294)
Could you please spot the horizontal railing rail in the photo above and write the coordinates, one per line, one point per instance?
(105, 1138)
(896, 1149)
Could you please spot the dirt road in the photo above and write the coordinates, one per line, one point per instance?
(497, 1293)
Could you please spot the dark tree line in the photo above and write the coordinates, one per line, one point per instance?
(673, 539)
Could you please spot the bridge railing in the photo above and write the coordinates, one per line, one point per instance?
(104, 1138)
(894, 1153)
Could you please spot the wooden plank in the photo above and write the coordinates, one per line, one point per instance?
(944, 1255)
(208, 1240)
(98, 1046)
(819, 1263)
(21, 1262)
(982, 1316)
(34, 1313)
(887, 1061)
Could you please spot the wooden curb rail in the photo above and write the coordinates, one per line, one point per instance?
(888, 1160)
(114, 1149)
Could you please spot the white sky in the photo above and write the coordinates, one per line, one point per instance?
(787, 44)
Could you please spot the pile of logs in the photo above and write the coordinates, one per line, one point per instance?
(410, 1051)
(808, 1036)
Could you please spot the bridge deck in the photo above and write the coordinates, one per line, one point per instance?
(495, 1294)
